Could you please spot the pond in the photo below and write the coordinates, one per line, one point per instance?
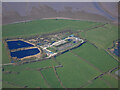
(18, 44)
(24, 53)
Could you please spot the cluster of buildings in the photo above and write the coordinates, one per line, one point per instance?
(61, 43)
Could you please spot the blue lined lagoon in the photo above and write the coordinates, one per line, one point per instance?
(18, 44)
(24, 53)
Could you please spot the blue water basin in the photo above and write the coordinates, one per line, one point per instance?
(24, 53)
(18, 44)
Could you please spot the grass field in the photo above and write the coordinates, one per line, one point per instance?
(75, 72)
(97, 84)
(35, 65)
(98, 57)
(111, 82)
(51, 78)
(102, 37)
(44, 26)
(8, 85)
(5, 58)
(26, 78)
(27, 73)
(52, 49)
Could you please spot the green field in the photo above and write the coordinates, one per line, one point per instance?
(52, 49)
(44, 26)
(26, 78)
(51, 78)
(79, 65)
(28, 74)
(98, 57)
(75, 72)
(113, 82)
(97, 84)
(8, 85)
(35, 65)
(110, 82)
(102, 37)
(5, 58)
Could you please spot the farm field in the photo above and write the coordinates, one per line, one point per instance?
(102, 37)
(25, 78)
(78, 71)
(22, 73)
(5, 58)
(99, 83)
(35, 65)
(80, 65)
(7, 85)
(98, 57)
(111, 82)
(39, 27)
(51, 78)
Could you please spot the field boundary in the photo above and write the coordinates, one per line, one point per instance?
(58, 76)
(45, 80)
(13, 84)
(94, 68)
(86, 61)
